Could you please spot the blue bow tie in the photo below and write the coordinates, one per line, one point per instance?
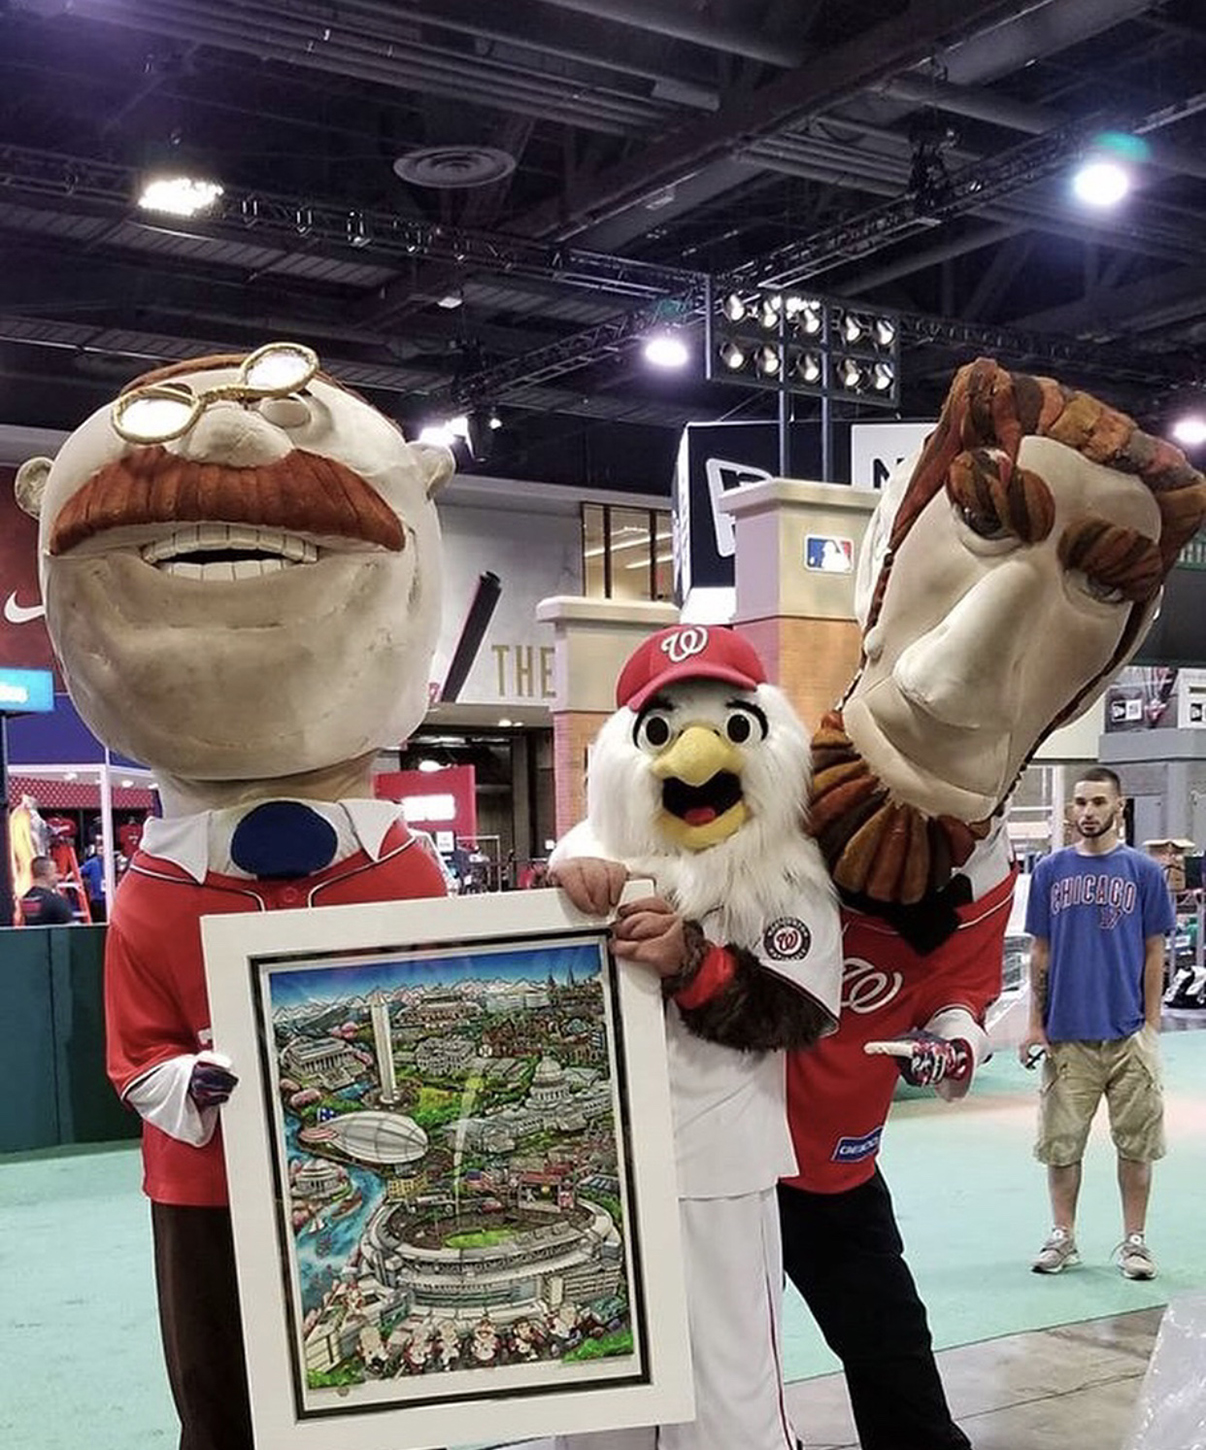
(284, 840)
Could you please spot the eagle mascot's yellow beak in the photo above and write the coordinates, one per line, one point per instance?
(702, 802)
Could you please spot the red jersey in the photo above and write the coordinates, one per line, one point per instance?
(156, 1006)
(837, 1096)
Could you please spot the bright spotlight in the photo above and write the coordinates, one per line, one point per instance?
(853, 328)
(882, 377)
(439, 433)
(732, 355)
(768, 311)
(185, 196)
(733, 308)
(808, 368)
(1101, 183)
(850, 375)
(768, 361)
(666, 351)
(1191, 430)
(805, 315)
(884, 330)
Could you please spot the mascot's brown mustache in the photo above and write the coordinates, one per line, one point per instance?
(299, 493)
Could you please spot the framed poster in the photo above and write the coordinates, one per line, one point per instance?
(452, 1174)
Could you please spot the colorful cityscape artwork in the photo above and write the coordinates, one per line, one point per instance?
(453, 1201)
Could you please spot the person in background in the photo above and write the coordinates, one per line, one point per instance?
(92, 873)
(43, 904)
(1098, 911)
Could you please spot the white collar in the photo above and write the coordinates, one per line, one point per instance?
(200, 843)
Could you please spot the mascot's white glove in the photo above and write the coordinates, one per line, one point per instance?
(181, 1096)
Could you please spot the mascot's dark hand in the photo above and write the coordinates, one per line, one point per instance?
(210, 1084)
(925, 1059)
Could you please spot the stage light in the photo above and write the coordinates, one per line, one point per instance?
(732, 355)
(439, 433)
(853, 328)
(358, 231)
(665, 350)
(808, 368)
(804, 314)
(185, 196)
(768, 360)
(768, 311)
(850, 374)
(1101, 182)
(734, 308)
(1190, 431)
(882, 377)
(479, 433)
(884, 331)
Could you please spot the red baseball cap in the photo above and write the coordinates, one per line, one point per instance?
(688, 652)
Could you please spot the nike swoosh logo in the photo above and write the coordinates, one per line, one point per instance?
(21, 613)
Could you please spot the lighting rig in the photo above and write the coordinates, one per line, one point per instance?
(794, 342)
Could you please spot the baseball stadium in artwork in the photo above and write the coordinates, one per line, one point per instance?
(452, 1203)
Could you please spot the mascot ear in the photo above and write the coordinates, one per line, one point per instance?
(30, 484)
(437, 463)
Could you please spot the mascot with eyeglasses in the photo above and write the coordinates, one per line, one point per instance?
(240, 561)
(1009, 572)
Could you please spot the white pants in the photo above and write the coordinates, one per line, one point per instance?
(734, 1271)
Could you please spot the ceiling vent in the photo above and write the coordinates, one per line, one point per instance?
(449, 168)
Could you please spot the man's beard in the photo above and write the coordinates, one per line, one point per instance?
(876, 847)
(1092, 833)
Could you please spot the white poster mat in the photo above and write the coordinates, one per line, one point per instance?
(253, 963)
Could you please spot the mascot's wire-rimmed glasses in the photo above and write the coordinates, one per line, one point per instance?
(160, 412)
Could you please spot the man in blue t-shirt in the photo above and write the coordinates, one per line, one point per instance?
(1098, 912)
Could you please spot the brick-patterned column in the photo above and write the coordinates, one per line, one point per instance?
(811, 660)
(592, 638)
(800, 620)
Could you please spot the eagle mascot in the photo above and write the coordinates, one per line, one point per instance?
(699, 781)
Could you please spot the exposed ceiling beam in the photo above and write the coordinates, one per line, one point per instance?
(828, 78)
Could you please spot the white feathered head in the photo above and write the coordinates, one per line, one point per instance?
(702, 774)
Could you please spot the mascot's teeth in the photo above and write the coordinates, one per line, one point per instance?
(240, 569)
(171, 553)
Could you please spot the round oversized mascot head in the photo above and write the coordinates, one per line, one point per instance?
(1008, 574)
(240, 561)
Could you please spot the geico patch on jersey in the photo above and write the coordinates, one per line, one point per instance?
(850, 1150)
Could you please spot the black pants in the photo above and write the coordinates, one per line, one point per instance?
(199, 1322)
(844, 1253)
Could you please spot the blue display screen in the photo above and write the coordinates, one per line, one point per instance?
(24, 692)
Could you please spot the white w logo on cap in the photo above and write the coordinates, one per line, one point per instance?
(684, 643)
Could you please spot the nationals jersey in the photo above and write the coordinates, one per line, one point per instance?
(838, 1096)
(156, 1007)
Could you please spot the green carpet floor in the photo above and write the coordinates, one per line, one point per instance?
(80, 1365)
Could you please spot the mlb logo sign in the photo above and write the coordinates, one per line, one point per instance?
(828, 554)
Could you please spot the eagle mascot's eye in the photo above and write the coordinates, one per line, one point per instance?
(652, 731)
(742, 722)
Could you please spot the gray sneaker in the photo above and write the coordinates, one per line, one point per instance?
(1135, 1258)
(1057, 1254)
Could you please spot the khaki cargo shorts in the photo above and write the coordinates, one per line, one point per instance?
(1077, 1075)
